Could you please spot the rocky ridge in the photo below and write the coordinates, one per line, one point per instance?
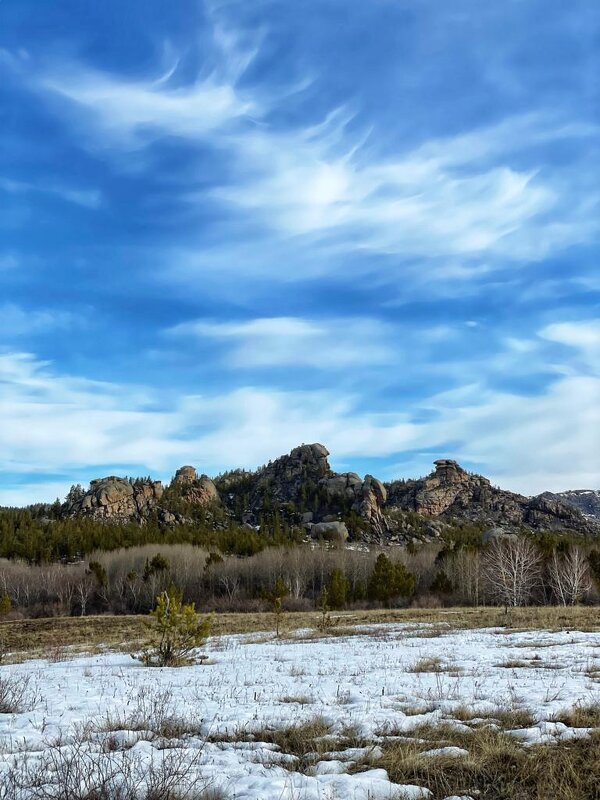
(585, 500)
(301, 490)
(450, 492)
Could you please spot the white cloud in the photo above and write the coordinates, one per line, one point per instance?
(88, 198)
(465, 196)
(17, 321)
(528, 443)
(549, 441)
(147, 109)
(584, 336)
(330, 344)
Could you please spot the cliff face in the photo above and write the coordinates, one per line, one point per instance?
(303, 491)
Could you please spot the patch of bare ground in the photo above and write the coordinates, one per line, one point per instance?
(41, 636)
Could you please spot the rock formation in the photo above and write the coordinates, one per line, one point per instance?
(201, 491)
(452, 492)
(304, 492)
(117, 499)
(585, 500)
(185, 475)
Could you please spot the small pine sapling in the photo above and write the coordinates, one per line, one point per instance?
(325, 623)
(176, 632)
(280, 591)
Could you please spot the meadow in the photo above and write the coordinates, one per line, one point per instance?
(397, 704)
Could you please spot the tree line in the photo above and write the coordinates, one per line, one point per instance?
(513, 571)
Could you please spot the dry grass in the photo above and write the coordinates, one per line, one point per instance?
(39, 636)
(301, 699)
(497, 767)
(17, 694)
(432, 664)
(151, 712)
(582, 715)
(507, 718)
(307, 742)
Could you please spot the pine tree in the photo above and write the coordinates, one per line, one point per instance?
(176, 631)
(389, 580)
(5, 605)
(280, 590)
(337, 589)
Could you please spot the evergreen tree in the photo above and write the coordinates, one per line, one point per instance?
(337, 589)
(176, 632)
(5, 605)
(389, 580)
(442, 584)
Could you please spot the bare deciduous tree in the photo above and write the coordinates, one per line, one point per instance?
(512, 570)
(569, 576)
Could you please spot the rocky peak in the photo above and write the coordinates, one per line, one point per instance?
(185, 475)
(314, 455)
(197, 490)
(448, 471)
(585, 500)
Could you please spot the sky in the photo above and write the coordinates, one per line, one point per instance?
(230, 227)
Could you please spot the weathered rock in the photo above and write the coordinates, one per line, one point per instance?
(396, 512)
(585, 500)
(117, 499)
(185, 475)
(452, 492)
(329, 530)
(370, 500)
(202, 492)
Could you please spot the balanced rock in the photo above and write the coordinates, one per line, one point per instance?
(329, 530)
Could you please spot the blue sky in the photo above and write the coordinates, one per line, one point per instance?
(228, 228)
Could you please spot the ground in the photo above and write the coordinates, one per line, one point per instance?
(347, 716)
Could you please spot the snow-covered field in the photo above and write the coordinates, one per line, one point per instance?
(208, 720)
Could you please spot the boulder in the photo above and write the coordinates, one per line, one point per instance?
(330, 530)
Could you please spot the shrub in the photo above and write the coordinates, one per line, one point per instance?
(177, 632)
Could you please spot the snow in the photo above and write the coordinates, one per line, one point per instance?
(363, 681)
(448, 752)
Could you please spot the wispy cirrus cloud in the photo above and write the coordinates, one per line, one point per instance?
(88, 198)
(478, 194)
(581, 335)
(527, 442)
(17, 321)
(330, 344)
